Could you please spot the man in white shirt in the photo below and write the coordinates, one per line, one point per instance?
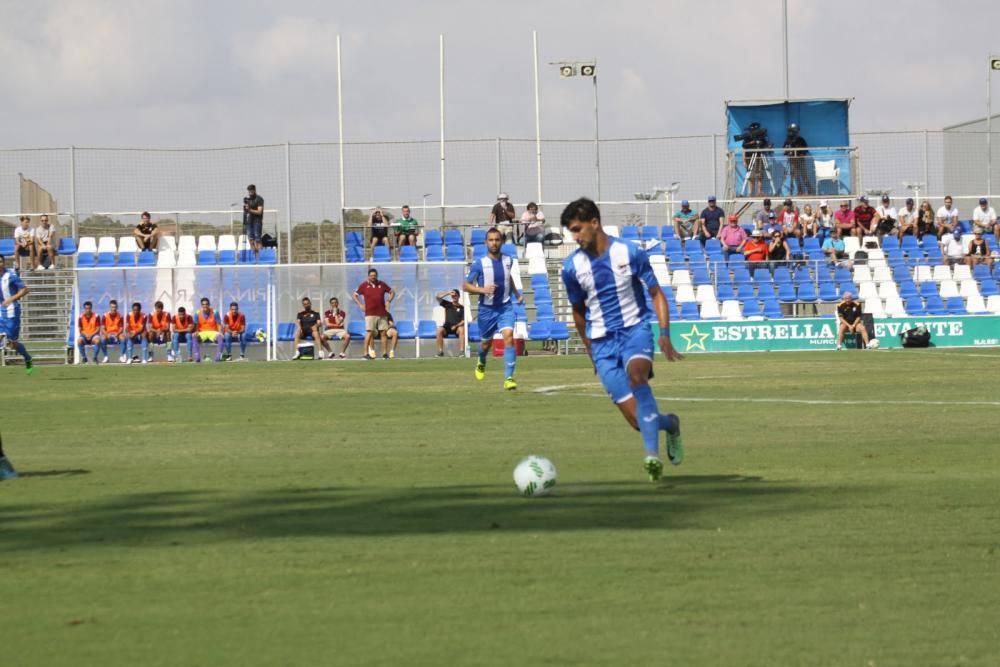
(954, 251)
(985, 218)
(947, 218)
(888, 221)
(24, 245)
(45, 240)
(907, 220)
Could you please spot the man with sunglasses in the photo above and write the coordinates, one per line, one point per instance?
(843, 219)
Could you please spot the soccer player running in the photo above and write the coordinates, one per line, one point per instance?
(6, 469)
(492, 278)
(605, 278)
(12, 290)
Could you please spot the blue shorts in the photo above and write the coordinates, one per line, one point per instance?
(160, 337)
(492, 320)
(10, 326)
(612, 354)
(89, 340)
(254, 229)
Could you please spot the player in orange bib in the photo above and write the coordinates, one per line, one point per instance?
(89, 328)
(208, 329)
(136, 331)
(234, 325)
(113, 331)
(159, 328)
(183, 325)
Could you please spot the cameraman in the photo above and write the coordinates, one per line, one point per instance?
(795, 151)
(253, 217)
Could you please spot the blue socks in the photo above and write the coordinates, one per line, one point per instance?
(19, 346)
(482, 356)
(648, 417)
(509, 360)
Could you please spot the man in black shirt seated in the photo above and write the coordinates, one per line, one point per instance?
(307, 327)
(849, 318)
(454, 320)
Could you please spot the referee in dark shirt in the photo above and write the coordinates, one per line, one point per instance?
(849, 320)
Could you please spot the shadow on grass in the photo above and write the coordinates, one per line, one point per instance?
(69, 472)
(153, 519)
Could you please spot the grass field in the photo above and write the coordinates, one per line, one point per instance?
(834, 509)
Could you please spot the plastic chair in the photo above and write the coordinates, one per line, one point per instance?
(381, 254)
(408, 253)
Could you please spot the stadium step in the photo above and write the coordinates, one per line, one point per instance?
(45, 316)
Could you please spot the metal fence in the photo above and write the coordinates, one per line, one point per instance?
(301, 181)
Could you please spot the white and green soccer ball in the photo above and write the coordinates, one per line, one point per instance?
(873, 344)
(260, 335)
(535, 476)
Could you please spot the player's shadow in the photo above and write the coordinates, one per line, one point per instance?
(69, 472)
(684, 502)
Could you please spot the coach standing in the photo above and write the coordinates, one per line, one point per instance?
(253, 217)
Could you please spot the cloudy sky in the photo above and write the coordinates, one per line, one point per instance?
(194, 73)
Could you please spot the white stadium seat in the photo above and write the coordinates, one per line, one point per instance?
(206, 242)
(187, 242)
(976, 306)
(681, 277)
(685, 293)
(888, 290)
(611, 230)
(968, 288)
(949, 288)
(867, 290)
(167, 243)
(227, 242)
(851, 245)
(534, 250)
(107, 244)
(962, 272)
(894, 307)
(874, 306)
(862, 274)
(87, 244)
(922, 274)
(165, 259)
(705, 293)
(536, 266)
(731, 310)
(710, 310)
(881, 274)
(993, 304)
(127, 244)
(941, 272)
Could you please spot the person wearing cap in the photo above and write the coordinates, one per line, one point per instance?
(502, 216)
(253, 217)
(985, 218)
(866, 218)
(687, 224)
(772, 226)
(907, 220)
(711, 220)
(795, 150)
(946, 218)
(979, 250)
(755, 251)
(834, 247)
(824, 221)
(887, 217)
(761, 219)
(951, 246)
(788, 218)
(733, 237)
(844, 219)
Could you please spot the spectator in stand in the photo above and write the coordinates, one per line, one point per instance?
(89, 326)
(807, 222)
(207, 329)
(979, 250)
(379, 225)
(113, 331)
(711, 220)
(533, 224)
(146, 233)
(951, 246)
(834, 247)
(755, 251)
(687, 224)
(407, 228)
(454, 320)
(335, 326)
(733, 237)
(866, 218)
(849, 320)
(307, 327)
(45, 244)
(253, 218)
(159, 329)
(844, 219)
(888, 221)
(136, 331)
(947, 218)
(984, 218)
(772, 226)
(234, 325)
(788, 218)
(926, 221)
(376, 310)
(907, 220)
(778, 252)
(764, 216)
(24, 245)
(183, 325)
(502, 216)
(824, 222)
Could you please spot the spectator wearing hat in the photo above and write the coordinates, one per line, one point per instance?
(906, 222)
(772, 226)
(733, 237)
(788, 218)
(866, 218)
(711, 220)
(946, 218)
(887, 217)
(824, 222)
(979, 250)
(843, 219)
(833, 247)
(502, 216)
(985, 218)
(687, 224)
(755, 251)
(952, 248)
(761, 219)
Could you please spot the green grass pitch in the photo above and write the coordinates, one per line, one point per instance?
(833, 509)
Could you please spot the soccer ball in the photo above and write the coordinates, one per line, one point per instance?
(260, 335)
(535, 476)
(873, 344)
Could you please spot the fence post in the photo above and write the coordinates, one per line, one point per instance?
(288, 205)
(72, 190)
(927, 183)
(499, 168)
(715, 167)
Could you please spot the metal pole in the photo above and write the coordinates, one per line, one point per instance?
(288, 203)
(597, 136)
(989, 130)
(499, 167)
(926, 168)
(715, 170)
(441, 102)
(72, 189)
(538, 125)
(340, 136)
(784, 42)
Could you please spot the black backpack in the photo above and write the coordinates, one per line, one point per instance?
(919, 337)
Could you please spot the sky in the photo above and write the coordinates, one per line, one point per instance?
(181, 73)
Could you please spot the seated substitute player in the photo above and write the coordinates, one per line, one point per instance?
(183, 326)
(159, 329)
(234, 325)
(454, 320)
(89, 325)
(849, 320)
(136, 331)
(207, 329)
(307, 327)
(113, 331)
(605, 278)
(335, 326)
(492, 278)
(12, 290)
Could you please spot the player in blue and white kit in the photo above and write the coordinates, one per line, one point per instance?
(12, 290)
(605, 279)
(492, 278)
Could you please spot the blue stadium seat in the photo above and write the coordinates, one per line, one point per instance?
(811, 243)
(782, 275)
(766, 291)
(988, 288)
(772, 310)
(105, 259)
(543, 296)
(676, 258)
(509, 250)
(127, 258)
(735, 260)
(699, 275)
(713, 245)
(745, 291)
(544, 311)
(473, 330)
(456, 252)
(890, 243)
(83, 260)
(956, 306)
(928, 289)
(842, 274)
(249, 335)
(724, 292)
(794, 245)
(667, 232)
(630, 233)
(807, 292)
(478, 250)
(673, 245)
(427, 330)
(909, 244)
(356, 328)
(907, 288)
(559, 330)
(226, 257)
(935, 306)
(435, 253)
(354, 239)
(286, 331)
(828, 292)
(981, 272)
(147, 259)
(540, 330)
(762, 276)
(803, 274)
(247, 257)
(477, 237)
(405, 329)
(786, 292)
(270, 256)
(381, 254)
(67, 246)
(355, 254)
(432, 237)
(741, 276)
(915, 307)
(689, 311)
(207, 258)
(751, 308)
(454, 236)
(6, 247)
(408, 253)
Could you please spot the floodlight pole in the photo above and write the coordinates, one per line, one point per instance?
(597, 135)
(340, 155)
(538, 124)
(784, 42)
(993, 64)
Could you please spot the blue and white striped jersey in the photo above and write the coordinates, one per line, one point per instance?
(10, 284)
(611, 286)
(499, 272)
